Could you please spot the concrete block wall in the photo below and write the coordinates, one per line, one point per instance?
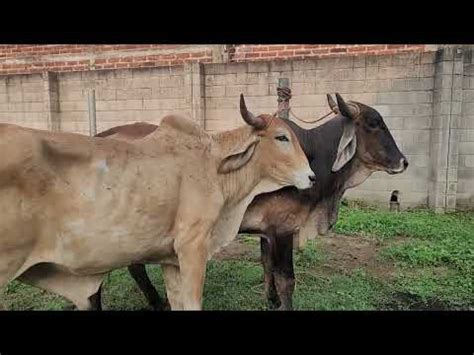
(465, 169)
(22, 100)
(122, 96)
(426, 99)
(400, 87)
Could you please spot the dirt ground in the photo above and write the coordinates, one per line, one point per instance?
(342, 255)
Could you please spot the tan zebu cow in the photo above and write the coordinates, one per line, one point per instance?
(73, 208)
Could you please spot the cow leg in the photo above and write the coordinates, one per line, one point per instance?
(96, 300)
(192, 262)
(283, 272)
(267, 263)
(172, 277)
(192, 257)
(139, 274)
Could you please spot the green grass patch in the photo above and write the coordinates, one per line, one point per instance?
(428, 241)
(429, 256)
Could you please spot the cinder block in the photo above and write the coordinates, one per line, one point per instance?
(224, 102)
(162, 93)
(354, 87)
(120, 105)
(344, 62)
(359, 61)
(308, 100)
(258, 67)
(215, 91)
(140, 83)
(406, 59)
(258, 90)
(236, 90)
(252, 78)
(427, 70)
(467, 108)
(76, 105)
(35, 117)
(420, 122)
(241, 79)
(427, 57)
(216, 68)
(419, 160)
(372, 73)
(144, 93)
(73, 116)
(33, 87)
(305, 65)
(379, 60)
(302, 88)
(312, 75)
(72, 95)
(298, 76)
(466, 148)
(280, 66)
(466, 135)
(224, 115)
(162, 104)
(213, 80)
(104, 94)
(174, 81)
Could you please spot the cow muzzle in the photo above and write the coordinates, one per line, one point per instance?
(305, 179)
(402, 166)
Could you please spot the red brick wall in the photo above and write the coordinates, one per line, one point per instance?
(244, 53)
(23, 59)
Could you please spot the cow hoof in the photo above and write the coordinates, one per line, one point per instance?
(162, 307)
(69, 307)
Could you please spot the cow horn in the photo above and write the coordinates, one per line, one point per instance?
(350, 109)
(332, 104)
(249, 117)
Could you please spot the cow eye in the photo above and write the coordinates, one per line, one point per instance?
(373, 124)
(282, 138)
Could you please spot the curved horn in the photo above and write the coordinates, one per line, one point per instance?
(332, 104)
(350, 110)
(249, 117)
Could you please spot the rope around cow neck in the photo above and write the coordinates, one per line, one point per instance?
(284, 96)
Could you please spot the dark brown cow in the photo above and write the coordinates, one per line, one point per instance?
(346, 150)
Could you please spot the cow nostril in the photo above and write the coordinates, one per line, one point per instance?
(312, 178)
(405, 163)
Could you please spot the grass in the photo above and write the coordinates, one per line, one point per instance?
(434, 258)
(427, 259)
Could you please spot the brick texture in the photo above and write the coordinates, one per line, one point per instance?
(22, 59)
(301, 51)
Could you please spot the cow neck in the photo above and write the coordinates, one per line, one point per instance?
(357, 174)
(320, 146)
(238, 184)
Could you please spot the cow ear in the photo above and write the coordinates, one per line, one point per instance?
(347, 145)
(238, 157)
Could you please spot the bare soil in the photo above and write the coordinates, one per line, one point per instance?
(343, 254)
